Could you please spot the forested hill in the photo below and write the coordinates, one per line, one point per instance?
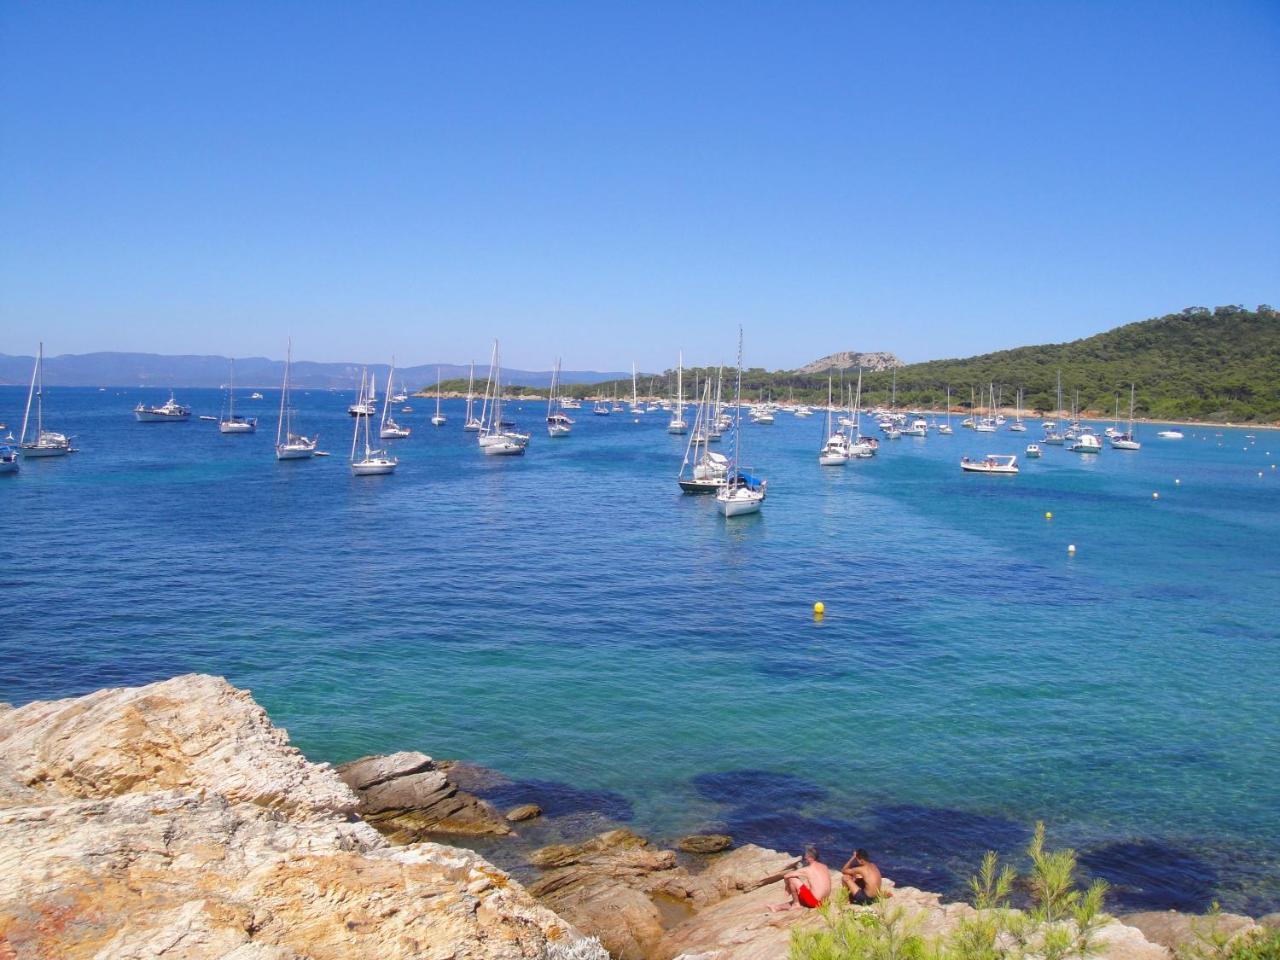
(1221, 364)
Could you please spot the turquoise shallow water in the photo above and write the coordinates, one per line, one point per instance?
(571, 618)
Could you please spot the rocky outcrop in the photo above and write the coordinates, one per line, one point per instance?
(848, 359)
(704, 843)
(408, 798)
(526, 811)
(174, 821)
(1176, 930)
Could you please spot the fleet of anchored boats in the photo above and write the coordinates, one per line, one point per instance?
(702, 469)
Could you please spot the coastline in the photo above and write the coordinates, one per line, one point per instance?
(201, 826)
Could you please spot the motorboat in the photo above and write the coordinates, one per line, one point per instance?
(1170, 434)
(1086, 443)
(171, 411)
(9, 462)
(1033, 450)
(1002, 464)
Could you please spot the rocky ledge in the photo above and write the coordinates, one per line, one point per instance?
(175, 821)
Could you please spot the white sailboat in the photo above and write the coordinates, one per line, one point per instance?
(495, 439)
(702, 470)
(678, 424)
(233, 422)
(835, 450)
(1129, 439)
(945, 429)
(1018, 426)
(471, 424)
(372, 462)
(389, 429)
(438, 419)
(636, 408)
(559, 424)
(43, 443)
(742, 494)
(290, 445)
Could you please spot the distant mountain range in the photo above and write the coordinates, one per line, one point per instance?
(150, 369)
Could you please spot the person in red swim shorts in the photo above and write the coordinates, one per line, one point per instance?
(806, 887)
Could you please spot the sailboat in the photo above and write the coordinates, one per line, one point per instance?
(438, 419)
(495, 439)
(742, 493)
(707, 471)
(43, 443)
(372, 462)
(233, 422)
(290, 445)
(945, 429)
(1129, 439)
(988, 423)
(390, 430)
(471, 424)
(636, 409)
(558, 422)
(678, 424)
(835, 450)
(1018, 426)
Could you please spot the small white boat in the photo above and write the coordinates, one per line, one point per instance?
(233, 422)
(43, 443)
(1129, 439)
(495, 439)
(918, 428)
(205, 416)
(389, 429)
(255, 395)
(601, 409)
(1170, 434)
(742, 494)
(290, 445)
(171, 411)
(835, 450)
(9, 462)
(1033, 450)
(438, 419)
(1086, 443)
(372, 462)
(559, 423)
(677, 424)
(1002, 464)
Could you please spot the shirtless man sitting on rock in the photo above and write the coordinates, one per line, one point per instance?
(808, 886)
(862, 879)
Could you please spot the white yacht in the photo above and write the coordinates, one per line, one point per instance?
(470, 423)
(171, 411)
(995, 463)
(370, 462)
(233, 422)
(559, 424)
(945, 428)
(43, 443)
(495, 439)
(678, 424)
(1170, 434)
(389, 429)
(1033, 451)
(742, 494)
(290, 445)
(835, 450)
(438, 419)
(1086, 443)
(1129, 439)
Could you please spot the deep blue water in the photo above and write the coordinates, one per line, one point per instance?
(570, 617)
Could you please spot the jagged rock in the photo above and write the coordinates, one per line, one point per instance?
(704, 843)
(525, 811)
(605, 886)
(108, 864)
(193, 732)
(1173, 929)
(739, 870)
(847, 359)
(408, 797)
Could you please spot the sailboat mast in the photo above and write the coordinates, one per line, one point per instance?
(386, 397)
(31, 393)
(232, 400)
(355, 432)
(437, 391)
(471, 391)
(284, 391)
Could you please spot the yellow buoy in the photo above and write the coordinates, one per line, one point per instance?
(819, 608)
(1071, 548)
(1048, 514)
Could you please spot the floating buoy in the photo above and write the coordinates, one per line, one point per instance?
(1048, 514)
(819, 608)
(1071, 548)
(1155, 496)
(1177, 482)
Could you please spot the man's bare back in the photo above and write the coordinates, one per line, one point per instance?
(806, 886)
(861, 878)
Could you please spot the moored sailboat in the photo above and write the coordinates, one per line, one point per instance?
(371, 462)
(438, 419)
(742, 493)
(233, 422)
(559, 424)
(290, 445)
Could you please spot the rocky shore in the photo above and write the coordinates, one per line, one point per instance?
(175, 821)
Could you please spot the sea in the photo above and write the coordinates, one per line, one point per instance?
(573, 620)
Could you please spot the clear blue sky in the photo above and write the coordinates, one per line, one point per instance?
(612, 181)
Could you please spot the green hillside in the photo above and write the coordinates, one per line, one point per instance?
(1200, 364)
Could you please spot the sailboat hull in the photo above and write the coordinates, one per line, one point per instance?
(832, 459)
(739, 502)
(238, 426)
(701, 486)
(294, 452)
(372, 469)
(9, 466)
(34, 452)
